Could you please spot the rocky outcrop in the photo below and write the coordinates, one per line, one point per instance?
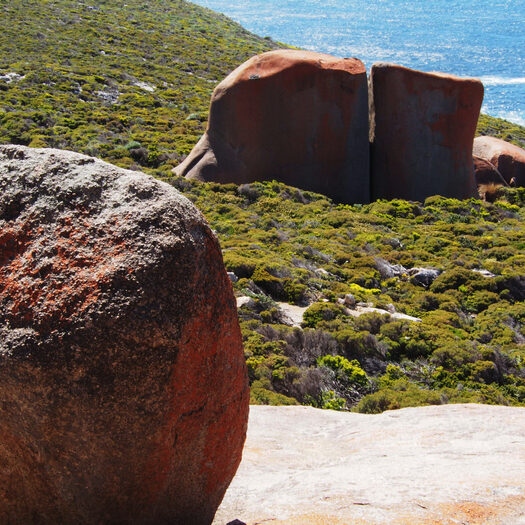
(369, 308)
(422, 128)
(508, 159)
(295, 116)
(423, 276)
(122, 377)
(486, 173)
(427, 465)
(301, 118)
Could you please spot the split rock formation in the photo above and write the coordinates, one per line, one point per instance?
(302, 118)
(295, 116)
(122, 376)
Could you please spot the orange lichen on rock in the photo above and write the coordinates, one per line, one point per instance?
(47, 292)
(122, 375)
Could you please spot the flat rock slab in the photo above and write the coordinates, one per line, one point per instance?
(444, 464)
(293, 312)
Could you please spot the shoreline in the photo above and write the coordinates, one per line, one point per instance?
(330, 45)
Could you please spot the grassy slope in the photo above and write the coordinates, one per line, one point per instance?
(75, 56)
(82, 65)
(502, 129)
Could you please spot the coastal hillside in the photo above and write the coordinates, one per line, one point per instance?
(376, 306)
(365, 307)
(130, 84)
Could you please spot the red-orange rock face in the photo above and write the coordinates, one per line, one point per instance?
(422, 128)
(295, 116)
(123, 386)
(507, 158)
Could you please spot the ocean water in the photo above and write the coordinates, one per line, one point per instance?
(471, 38)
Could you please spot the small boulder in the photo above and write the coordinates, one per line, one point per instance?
(488, 179)
(390, 308)
(122, 376)
(388, 270)
(349, 300)
(422, 128)
(507, 158)
(246, 301)
(298, 117)
(484, 273)
(423, 276)
(233, 277)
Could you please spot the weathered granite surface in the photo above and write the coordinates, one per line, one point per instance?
(438, 465)
(298, 117)
(422, 128)
(123, 386)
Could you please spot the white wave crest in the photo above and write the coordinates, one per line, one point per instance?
(512, 116)
(490, 80)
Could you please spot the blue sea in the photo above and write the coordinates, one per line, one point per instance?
(471, 38)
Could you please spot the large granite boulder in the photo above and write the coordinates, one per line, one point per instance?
(422, 128)
(507, 158)
(122, 378)
(295, 116)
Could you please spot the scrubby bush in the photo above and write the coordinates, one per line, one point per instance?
(283, 243)
(402, 394)
(319, 312)
(347, 371)
(468, 345)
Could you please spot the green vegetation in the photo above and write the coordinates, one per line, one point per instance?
(131, 84)
(502, 129)
(295, 246)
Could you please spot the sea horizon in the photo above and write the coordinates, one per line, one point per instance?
(467, 38)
